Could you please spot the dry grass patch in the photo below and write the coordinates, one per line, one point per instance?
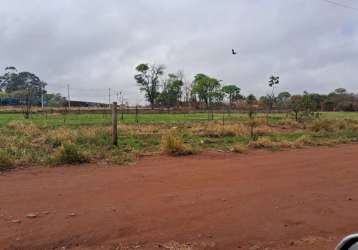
(289, 123)
(266, 142)
(172, 144)
(322, 125)
(24, 128)
(239, 148)
(177, 246)
(218, 130)
(6, 163)
(69, 154)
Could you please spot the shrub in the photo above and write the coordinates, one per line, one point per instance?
(172, 144)
(263, 130)
(266, 142)
(262, 142)
(289, 123)
(304, 140)
(6, 162)
(321, 125)
(239, 148)
(60, 137)
(123, 158)
(24, 128)
(69, 154)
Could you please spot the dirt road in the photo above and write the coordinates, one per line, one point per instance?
(305, 199)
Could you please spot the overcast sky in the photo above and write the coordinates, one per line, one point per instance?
(94, 45)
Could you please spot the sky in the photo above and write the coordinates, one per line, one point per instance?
(94, 45)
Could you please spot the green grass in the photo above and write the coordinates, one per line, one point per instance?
(73, 120)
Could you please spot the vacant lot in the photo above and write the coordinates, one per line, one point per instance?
(299, 200)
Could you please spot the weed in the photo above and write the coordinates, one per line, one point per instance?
(239, 148)
(123, 158)
(69, 154)
(172, 144)
(6, 162)
(321, 125)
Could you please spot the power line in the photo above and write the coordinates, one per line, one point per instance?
(341, 5)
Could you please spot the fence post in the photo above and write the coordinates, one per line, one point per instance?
(114, 124)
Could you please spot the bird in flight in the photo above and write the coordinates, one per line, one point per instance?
(234, 52)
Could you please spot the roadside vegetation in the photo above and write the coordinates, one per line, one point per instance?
(26, 143)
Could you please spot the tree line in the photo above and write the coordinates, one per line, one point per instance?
(208, 92)
(203, 92)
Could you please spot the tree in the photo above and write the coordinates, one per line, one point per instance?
(12, 81)
(251, 101)
(148, 79)
(232, 92)
(296, 105)
(23, 85)
(172, 91)
(265, 101)
(207, 89)
(283, 99)
(55, 100)
(341, 100)
(273, 81)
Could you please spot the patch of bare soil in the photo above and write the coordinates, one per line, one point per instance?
(300, 199)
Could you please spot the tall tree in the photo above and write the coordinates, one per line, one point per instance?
(23, 85)
(207, 89)
(12, 81)
(283, 99)
(232, 92)
(251, 101)
(148, 79)
(172, 91)
(296, 105)
(273, 82)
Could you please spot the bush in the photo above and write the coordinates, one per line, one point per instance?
(239, 148)
(69, 154)
(6, 162)
(123, 158)
(262, 142)
(322, 125)
(304, 140)
(24, 128)
(266, 142)
(289, 123)
(172, 144)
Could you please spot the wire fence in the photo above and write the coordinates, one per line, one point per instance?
(78, 116)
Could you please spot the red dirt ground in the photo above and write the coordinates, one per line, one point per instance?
(303, 199)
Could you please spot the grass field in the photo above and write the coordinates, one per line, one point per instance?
(105, 119)
(78, 138)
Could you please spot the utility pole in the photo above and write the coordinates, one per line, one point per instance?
(42, 96)
(109, 97)
(122, 115)
(114, 124)
(68, 96)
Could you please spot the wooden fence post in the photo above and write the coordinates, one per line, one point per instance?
(114, 124)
